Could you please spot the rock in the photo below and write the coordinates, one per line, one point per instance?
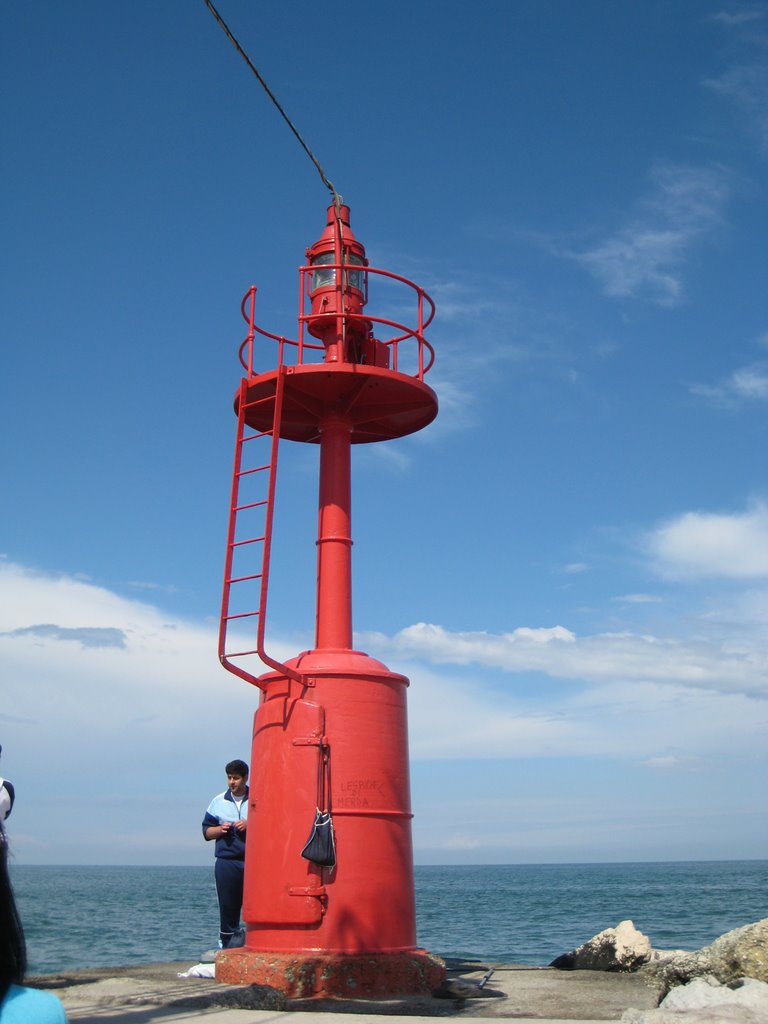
(668, 954)
(622, 948)
(705, 1001)
(740, 953)
(707, 991)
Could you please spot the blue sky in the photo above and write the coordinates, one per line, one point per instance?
(570, 564)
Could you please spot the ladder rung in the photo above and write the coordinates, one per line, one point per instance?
(242, 579)
(259, 401)
(252, 504)
(241, 654)
(256, 469)
(240, 615)
(251, 540)
(255, 437)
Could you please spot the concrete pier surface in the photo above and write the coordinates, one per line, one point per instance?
(155, 994)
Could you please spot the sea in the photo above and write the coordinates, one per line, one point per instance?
(76, 917)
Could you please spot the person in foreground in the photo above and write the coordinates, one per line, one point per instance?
(226, 822)
(7, 796)
(19, 1004)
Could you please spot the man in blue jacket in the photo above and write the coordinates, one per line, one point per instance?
(226, 822)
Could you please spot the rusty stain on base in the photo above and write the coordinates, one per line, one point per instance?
(338, 975)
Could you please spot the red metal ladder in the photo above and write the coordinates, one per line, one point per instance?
(251, 510)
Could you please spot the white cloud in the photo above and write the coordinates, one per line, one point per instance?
(748, 383)
(664, 761)
(738, 17)
(151, 712)
(117, 699)
(617, 658)
(462, 842)
(644, 258)
(748, 609)
(165, 588)
(748, 87)
(745, 80)
(391, 456)
(465, 300)
(638, 599)
(751, 381)
(458, 407)
(477, 715)
(698, 544)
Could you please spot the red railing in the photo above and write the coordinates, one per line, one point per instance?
(311, 351)
(253, 514)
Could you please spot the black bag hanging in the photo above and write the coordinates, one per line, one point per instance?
(320, 848)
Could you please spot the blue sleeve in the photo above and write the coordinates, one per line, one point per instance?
(209, 820)
(24, 1005)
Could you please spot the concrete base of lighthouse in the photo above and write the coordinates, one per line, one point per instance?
(333, 975)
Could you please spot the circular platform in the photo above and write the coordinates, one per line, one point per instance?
(381, 404)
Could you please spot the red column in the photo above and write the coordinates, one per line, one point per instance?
(334, 537)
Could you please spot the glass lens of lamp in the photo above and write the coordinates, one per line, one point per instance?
(322, 278)
(355, 277)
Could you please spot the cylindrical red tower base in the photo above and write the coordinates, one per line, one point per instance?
(348, 929)
(339, 976)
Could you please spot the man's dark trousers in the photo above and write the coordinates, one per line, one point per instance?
(229, 889)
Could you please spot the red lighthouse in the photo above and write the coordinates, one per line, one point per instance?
(330, 732)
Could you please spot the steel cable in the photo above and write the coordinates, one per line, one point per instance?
(228, 32)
